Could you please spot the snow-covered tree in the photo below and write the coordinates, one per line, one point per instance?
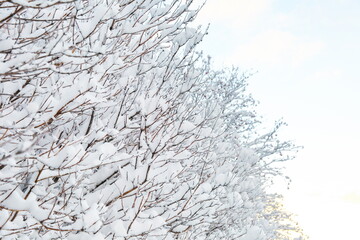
(113, 127)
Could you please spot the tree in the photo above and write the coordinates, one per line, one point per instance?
(113, 127)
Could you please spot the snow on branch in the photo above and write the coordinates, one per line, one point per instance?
(113, 127)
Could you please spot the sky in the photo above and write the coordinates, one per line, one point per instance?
(307, 56)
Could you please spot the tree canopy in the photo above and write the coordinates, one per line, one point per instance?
(112, 126)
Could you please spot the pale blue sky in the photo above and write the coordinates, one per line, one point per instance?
(307, 54)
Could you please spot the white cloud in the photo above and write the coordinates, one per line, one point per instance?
(241, 13)
(276, 48)
(260, 33)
